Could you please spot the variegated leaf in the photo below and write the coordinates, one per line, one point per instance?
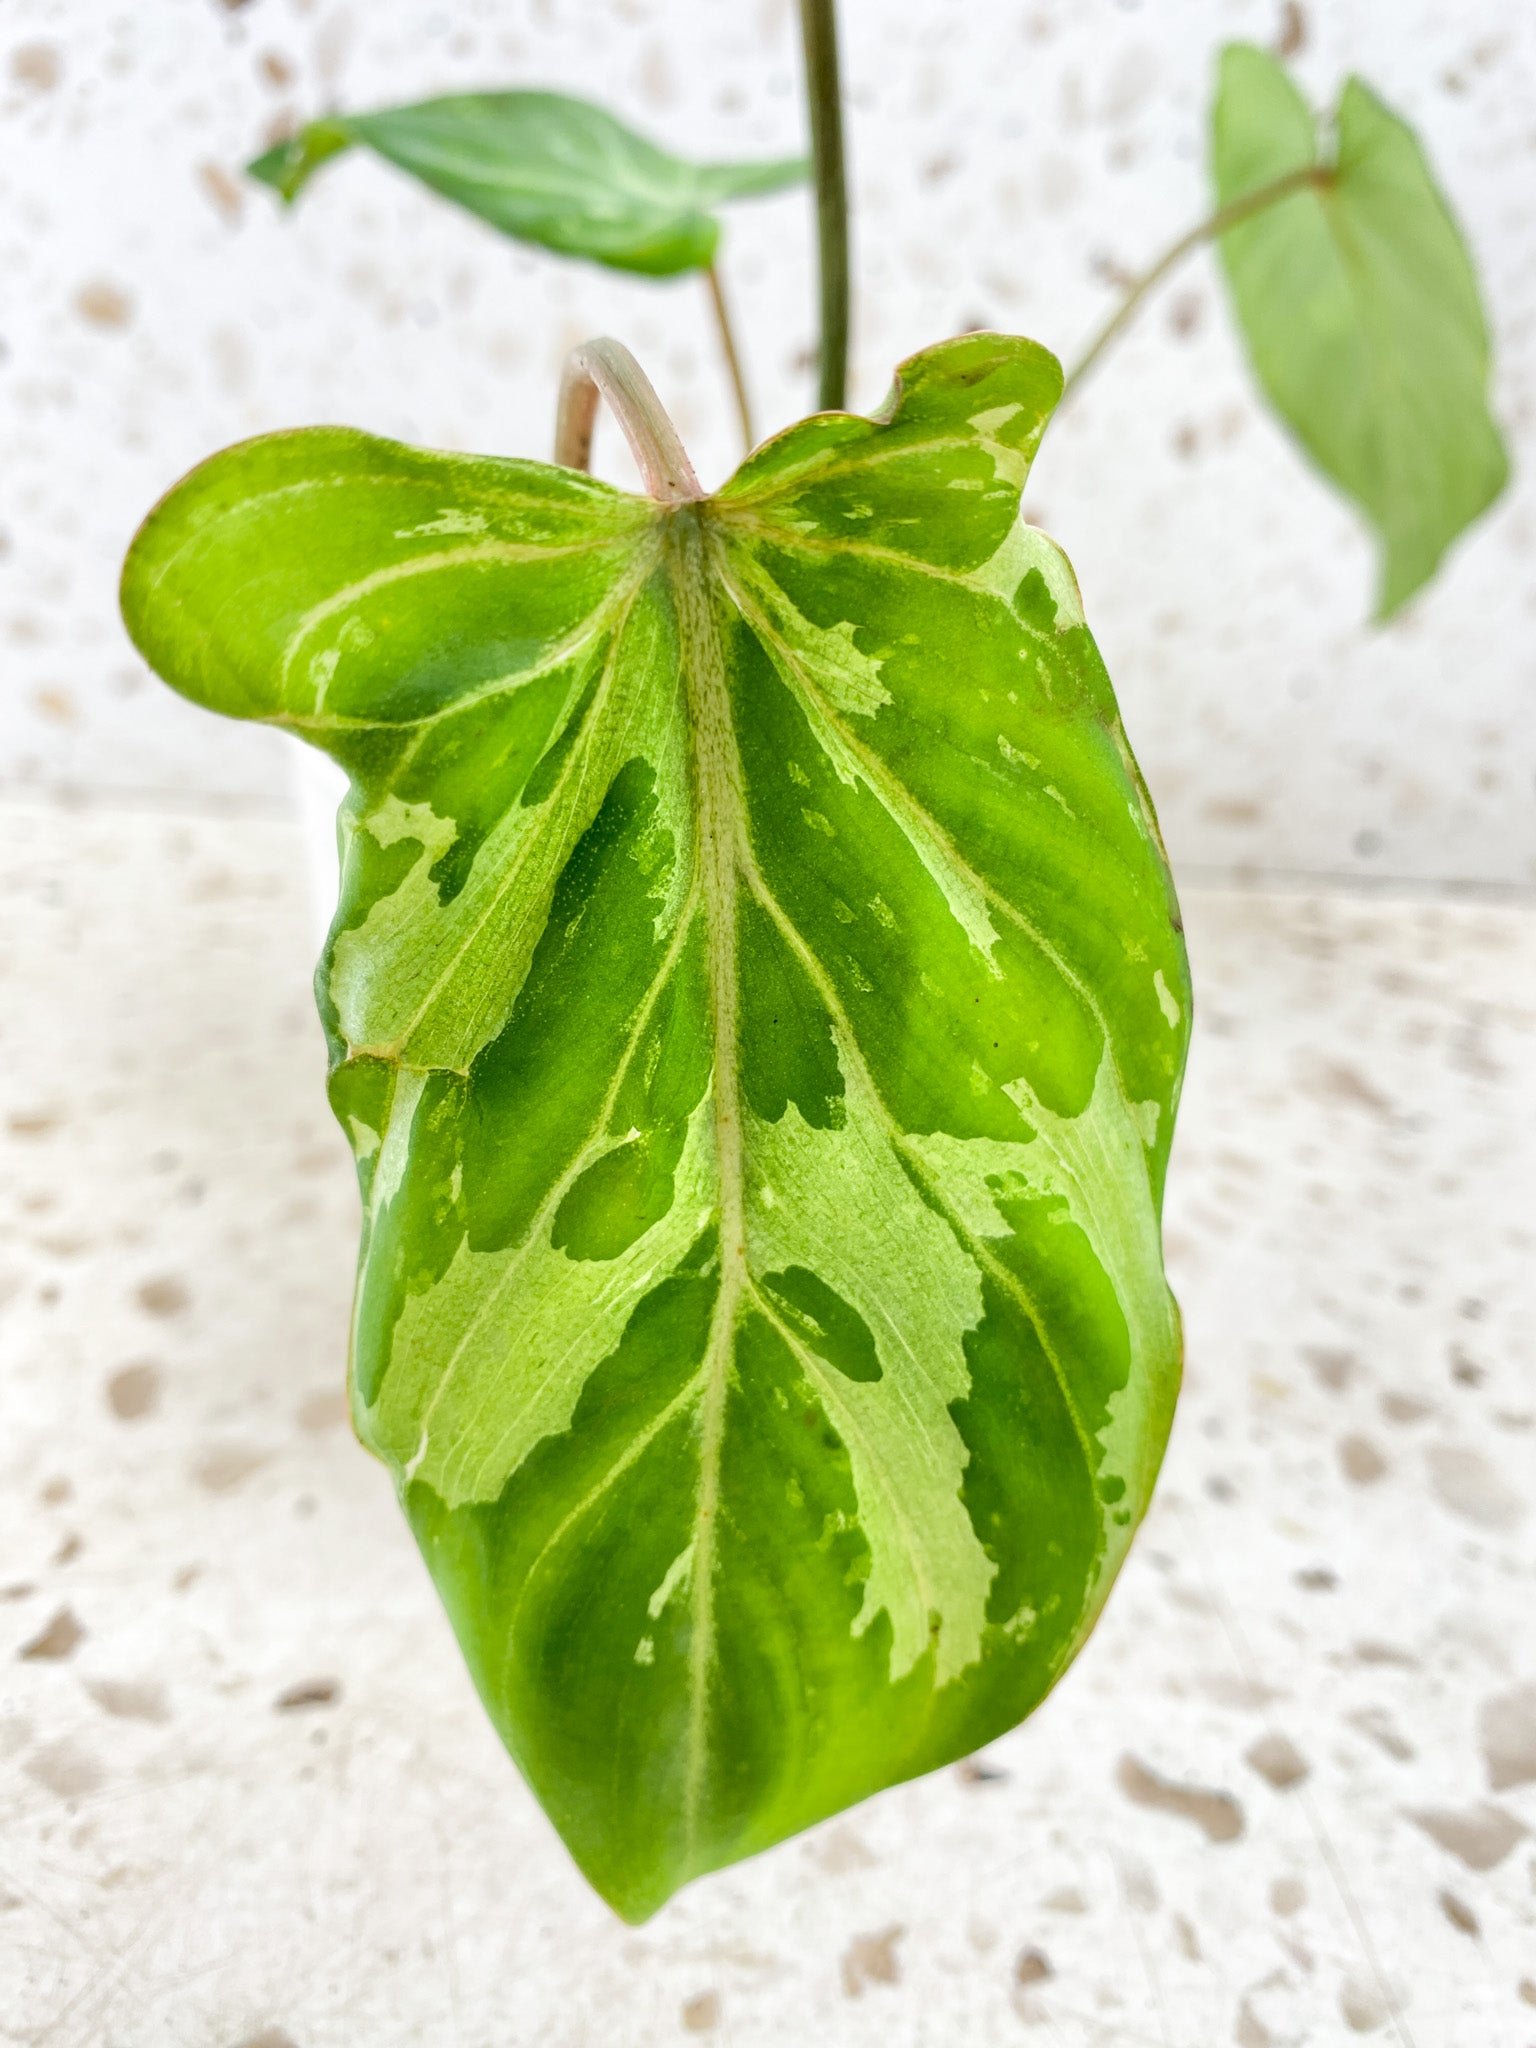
(758, 1008)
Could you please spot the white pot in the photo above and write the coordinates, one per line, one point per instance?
(318, 789)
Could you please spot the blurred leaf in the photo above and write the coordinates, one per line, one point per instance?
(546, 169)
(1359, 305)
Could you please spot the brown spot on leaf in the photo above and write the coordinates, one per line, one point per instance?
(133, 1391)
(1287, 1895)
(269, 2037)
(1363, 1464)
(164, 1295)
(1481, 1836)
(871, 1959)
(55, 1492)
(127, 1700)
(309, 1692)
(1066, 1899)
(1466, 1483)
(1507, 1728)
(1033, 1967)
(1278, 1761)
(1216, 1814)
(57, 1641)
(103, 304)
(701, 2013)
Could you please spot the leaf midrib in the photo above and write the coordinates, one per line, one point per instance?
(721, 823)
(726, 862)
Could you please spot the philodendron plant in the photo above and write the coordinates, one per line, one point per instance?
(757, 1005)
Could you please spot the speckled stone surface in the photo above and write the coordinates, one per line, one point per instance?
(247, 1798)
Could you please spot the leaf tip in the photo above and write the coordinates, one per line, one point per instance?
(288, 166)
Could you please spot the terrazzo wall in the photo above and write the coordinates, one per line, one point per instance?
(1012, 164)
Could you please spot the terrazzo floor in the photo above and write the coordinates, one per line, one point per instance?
(248, 1800)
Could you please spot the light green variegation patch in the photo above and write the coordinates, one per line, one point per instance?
(757, 1005)
(838, 1203)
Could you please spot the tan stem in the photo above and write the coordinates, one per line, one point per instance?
(732, 356)
(1312, 176)
(606, 369)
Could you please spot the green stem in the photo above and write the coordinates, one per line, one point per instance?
(606, 369)
(732, 358)
(818, 23)
(1225, 217)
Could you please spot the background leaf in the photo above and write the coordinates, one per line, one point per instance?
(1359, 306)
(549, 169)
(757, 1006)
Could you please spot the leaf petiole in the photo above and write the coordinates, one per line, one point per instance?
(818, 23)
(606, 369)
(732, 356)
(1309, 177)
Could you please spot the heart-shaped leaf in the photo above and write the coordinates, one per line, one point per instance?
(547, 169)
(758, 1008)
(1358, 301)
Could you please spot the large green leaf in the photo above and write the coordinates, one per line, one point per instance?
(758, 1008)
(1359, 305)
(546, 169)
